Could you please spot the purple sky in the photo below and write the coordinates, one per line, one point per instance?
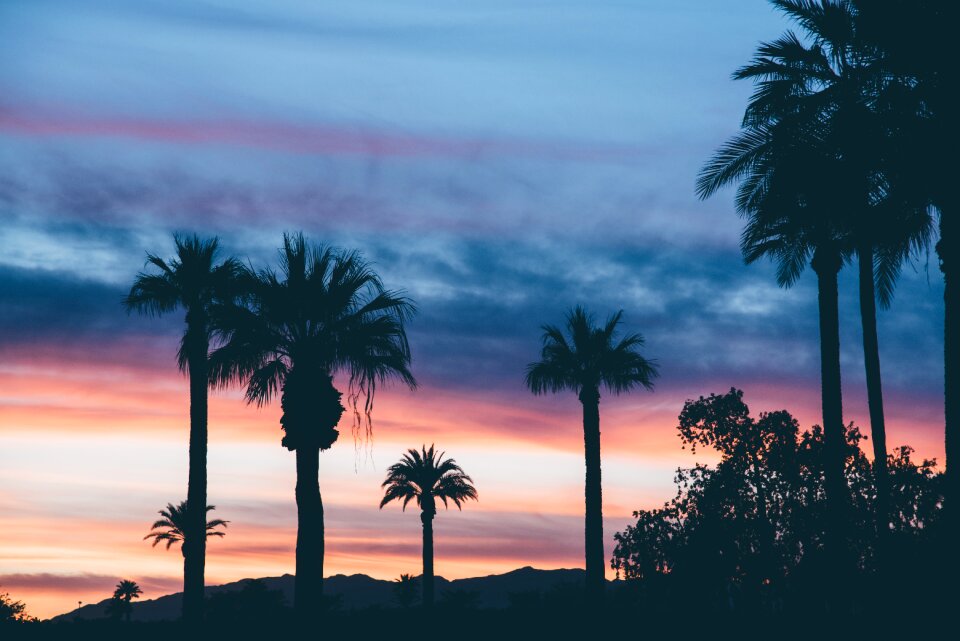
(501, 161)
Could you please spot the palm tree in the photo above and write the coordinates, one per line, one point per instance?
(172, 527)
(426, 476)
(791, 192)
(824, 94)
(327, 313)
(123, 595)
(586, 359)
(914, 41)
(405, 590)
(196, 282)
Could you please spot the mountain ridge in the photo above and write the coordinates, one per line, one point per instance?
(355, 591)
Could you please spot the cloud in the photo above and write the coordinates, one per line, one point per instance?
(82, 582)
(315, 139)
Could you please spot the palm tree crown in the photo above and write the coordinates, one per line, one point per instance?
(172, 526)
(327, 313)
(424, 475)
(127, 590)
(589, 357)
(194, 281)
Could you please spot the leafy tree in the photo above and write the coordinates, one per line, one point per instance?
(750, 533)
(425, 476)
(196, 281)
(406, 591)
(327, 312)
(121, 604)
(173, 526)
(13, 611)
(587, 358)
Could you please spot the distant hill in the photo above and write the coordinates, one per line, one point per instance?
(356, 591)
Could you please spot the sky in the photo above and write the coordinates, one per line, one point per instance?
(499, 161)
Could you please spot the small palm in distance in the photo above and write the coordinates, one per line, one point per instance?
(406, 590)
(425, 476)
(172, 526)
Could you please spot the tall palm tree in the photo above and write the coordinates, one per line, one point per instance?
(914, 41)
(824, 92)
(196, 282)
(172, 527)
(327, 313)
(791, 190)
(587, 358)
(123, 596)
(426, 476)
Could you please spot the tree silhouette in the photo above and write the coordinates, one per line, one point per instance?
(582, 361)
(173, 526)
(196, 282)
(749, 534)
(121, 602)
(327, 313)
(425, 476)
(253, 603)
(914, 40)
(797, 192)
(406, 590)
(835, 70)
(13, 611)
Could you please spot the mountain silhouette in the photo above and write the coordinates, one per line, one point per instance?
(354, 591)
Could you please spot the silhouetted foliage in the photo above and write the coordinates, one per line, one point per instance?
(424, 476)
(13, 611)
(749, 533)
(254, 602)
(327, 313)
(173, 526)
(196, 282)
(582, 361)
(406, 591)
(120, 605)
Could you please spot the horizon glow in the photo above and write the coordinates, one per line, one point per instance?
(501, 163)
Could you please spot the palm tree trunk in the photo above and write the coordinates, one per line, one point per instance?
(195, 541)
(826, 263)
(308, 582)
(878, 431)
(427, 519)
(593, 498)
(947, 250)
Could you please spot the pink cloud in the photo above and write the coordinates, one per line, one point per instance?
(321, 139)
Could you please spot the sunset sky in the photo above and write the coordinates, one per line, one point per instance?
(501, 161)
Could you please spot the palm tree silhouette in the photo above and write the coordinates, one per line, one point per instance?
(196, 282)
(583, 361)
(405, 590)
(915, 43)
(172, 527)
(836, 72)
(327, 313)
(123, 595)
(426, 476)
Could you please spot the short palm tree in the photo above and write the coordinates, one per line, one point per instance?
(327, 313)
(123, 595)
(172, 527)
(582, 361)
(425, 476)
(196, 282)
(405, 590)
